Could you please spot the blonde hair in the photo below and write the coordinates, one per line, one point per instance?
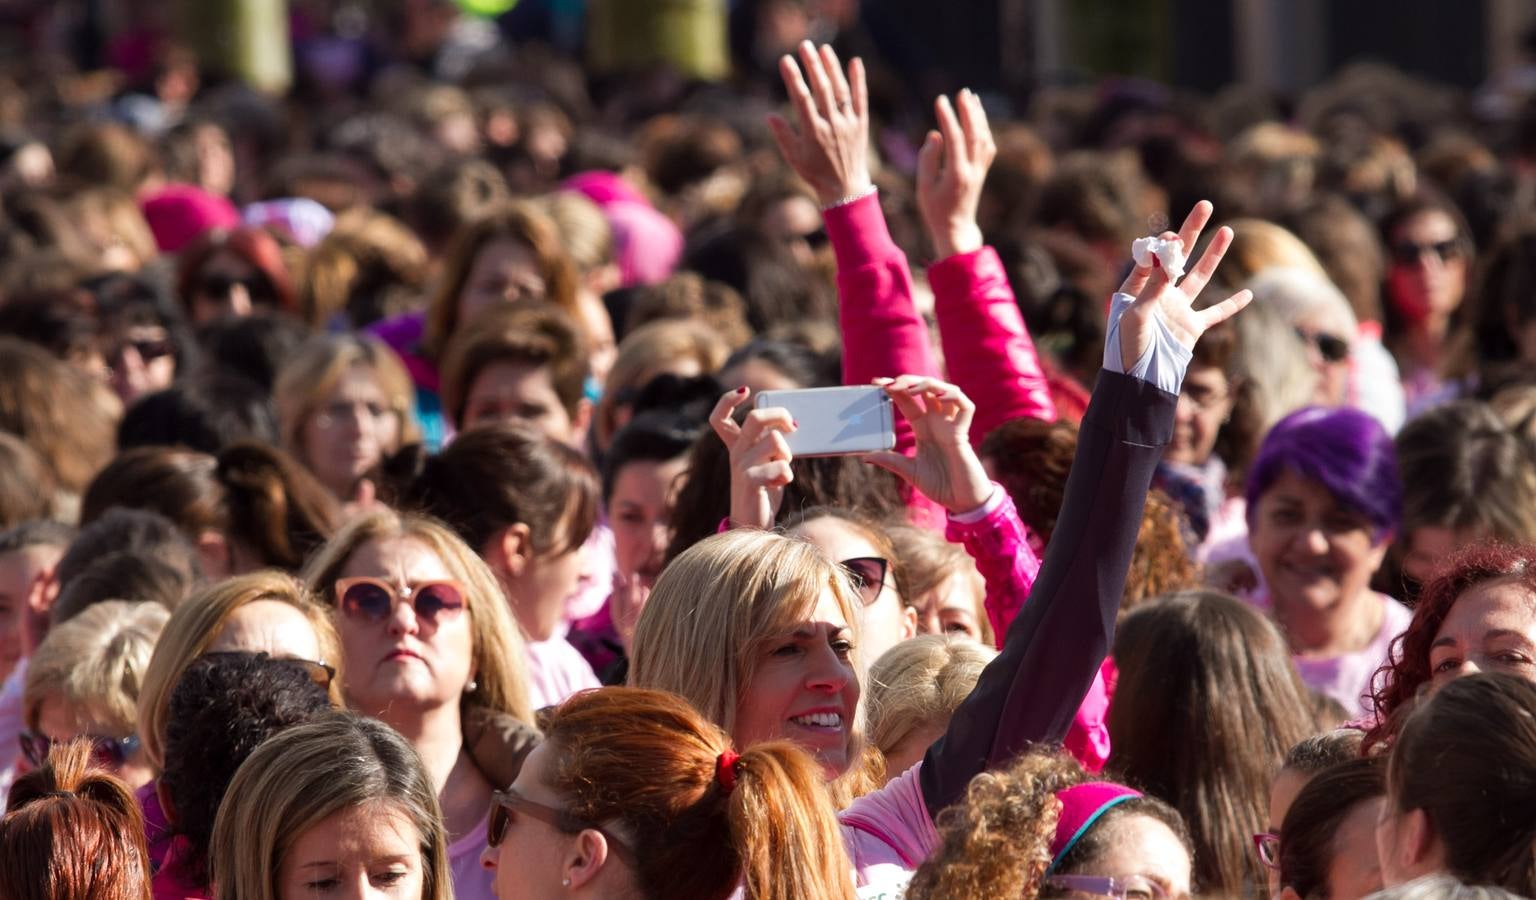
(928, 561)
(1296, 293)
(96, 660)
(195, 625)
(303, 775)
(585, 232)
(647, 352)
(497, 645)
(1258, 245)
(717, 605)
(303, 383)
(921, 682)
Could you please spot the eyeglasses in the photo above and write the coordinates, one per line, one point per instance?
(374, 599)
(333, 414)
(1134, 887)
(149, 349)
(868, 576)
(106, 752)
(1407, 253)
(1204, 399)
(1268, 847)
(320, 673)
(1332, 347)
(504, 803)
(220, 286)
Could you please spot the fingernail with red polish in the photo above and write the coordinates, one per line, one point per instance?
(742, 389)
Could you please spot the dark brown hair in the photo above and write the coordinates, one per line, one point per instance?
(499, 475)
(258, 248)
(535, 334)
(647, 762)
(1207, 705)
(1307, 834)
(72, 834)
(687, 295)
(60, 412)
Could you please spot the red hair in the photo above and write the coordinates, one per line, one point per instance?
(701, 820)
(72, 834)
(256, 246)
(1399, 682)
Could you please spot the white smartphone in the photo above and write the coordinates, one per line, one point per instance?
(835, 421)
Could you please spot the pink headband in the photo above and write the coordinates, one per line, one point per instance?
(1081, 806)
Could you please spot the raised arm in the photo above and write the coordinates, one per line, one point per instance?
(1055, 647)
(883, 334)
(986, 346)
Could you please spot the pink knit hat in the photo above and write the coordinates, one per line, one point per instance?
(1081, 806)
(647, 245)
(179, 214)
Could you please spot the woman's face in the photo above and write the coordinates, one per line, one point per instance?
(1427, 278)
(1490, 628)
(1143, 849)
(510, 391)
(229, 286)
(405, 661)
(1328, 346)
(1205, 402)
(272, 627)
(640, 513)
(140, 360)
(597, 327)
(349, 431)
(884, 621)
(1355, 871)
(1316, 553)
(954, 607)
(370, 851)
(61, 721)
(804, 688)
(505, 270)
(1427, 548)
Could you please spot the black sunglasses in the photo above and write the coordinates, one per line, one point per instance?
(221, 285)
(1332, 347)
(868, 576)
(1406, 253)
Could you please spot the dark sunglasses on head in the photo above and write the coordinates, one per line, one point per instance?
(1407, 253)
(320, 673)
(106, 752)
(1332, 347)
(374, 598)
(505, 803)
(221, 285)
(868, 576)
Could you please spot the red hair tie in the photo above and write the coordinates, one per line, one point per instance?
(725, 770)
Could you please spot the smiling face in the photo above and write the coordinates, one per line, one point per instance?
(370, 851)
(1491, 628)
(403, 662)
(803, 687)
(1317, 554)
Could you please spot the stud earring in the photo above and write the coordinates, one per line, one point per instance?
(566, 882)
(472, 686)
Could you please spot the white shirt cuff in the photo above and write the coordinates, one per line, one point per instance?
(1162, 364)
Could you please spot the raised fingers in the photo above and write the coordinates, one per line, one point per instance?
(1226, 309)
(721, 418)
(949, 127)
(1194, 223)
(816, 75)
(1201, 274)
(1157, 278)
(859, 87)
(799, 94)
(840, 89)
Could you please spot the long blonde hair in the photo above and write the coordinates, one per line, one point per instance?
(303, 775)
(194, 626)
(715, 607)
(497, 645)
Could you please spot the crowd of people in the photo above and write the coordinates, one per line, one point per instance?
(386, 511)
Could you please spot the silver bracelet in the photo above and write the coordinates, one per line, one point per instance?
(844, 201)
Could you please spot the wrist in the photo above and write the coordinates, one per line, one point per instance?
(844, 194)
(957, 240)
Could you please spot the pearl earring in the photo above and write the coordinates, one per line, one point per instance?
(566, 882)
(472, 686)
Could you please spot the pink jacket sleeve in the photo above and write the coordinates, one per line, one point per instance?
(999, 543)
(883, 334)
(986, 345)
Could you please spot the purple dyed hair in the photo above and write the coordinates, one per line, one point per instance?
(1344, 450)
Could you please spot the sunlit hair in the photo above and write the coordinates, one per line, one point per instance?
(647, 762)
(96, 662)
(303, 775)
(919, 683)
(497, 645)
(997, 841)
(195, 625)
(536, 335)
(928, 561)
(1407, 670)
(1300, 293)
(1466, 757)
(70, 833)
(1258, 245)
(1443, 887)
(517, 221)
(309, 377)
(647, 352)
(368, 263)
(715, 609)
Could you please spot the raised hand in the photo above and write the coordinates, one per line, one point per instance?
(951, 168)
(945, 467)
(1158, 296)
(828, 145)
(760, 458)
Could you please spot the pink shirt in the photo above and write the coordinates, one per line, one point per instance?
(556, 670)
(471, 881)
(889, 833)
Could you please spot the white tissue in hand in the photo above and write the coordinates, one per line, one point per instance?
(1169, 253)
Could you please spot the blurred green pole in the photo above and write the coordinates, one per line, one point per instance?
(633, 35)
(243, 39)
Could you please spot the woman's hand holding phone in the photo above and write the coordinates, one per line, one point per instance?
(760, 458)
(945, 467)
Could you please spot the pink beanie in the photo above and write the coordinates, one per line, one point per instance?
(647, 245)
(179, 214)
(1081, 806)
